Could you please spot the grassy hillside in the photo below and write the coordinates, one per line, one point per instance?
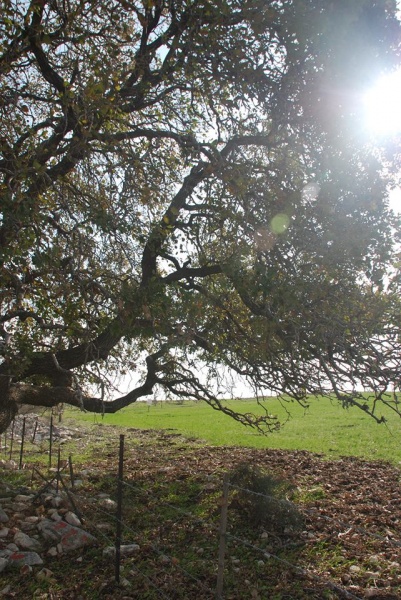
(324, 428)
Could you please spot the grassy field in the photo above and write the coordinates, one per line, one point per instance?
(324, 428)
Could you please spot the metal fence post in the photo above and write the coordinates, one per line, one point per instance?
(34, 431)
(51, 442)
(119, 508)
(71, 471)
(12, 439)
(22, 443)
(222, 538)
(58, 469)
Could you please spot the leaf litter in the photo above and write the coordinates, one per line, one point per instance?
(350, 541)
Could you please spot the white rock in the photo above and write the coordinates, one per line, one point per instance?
(108, 504)
(72, 519)
(44, 575)
(19, 558)
(4, 532)
(25, 542)
(25, 570)
(23, 498)
(3, 564)
(32, 519)
(371, 575)
(3, 516)
(355, 569)
(10, 464)
(105, 527)
(19, 506)
(125, 550)
(57, 501)
(370, 593)
(6, 590)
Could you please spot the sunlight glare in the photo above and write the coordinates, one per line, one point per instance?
(383, 105)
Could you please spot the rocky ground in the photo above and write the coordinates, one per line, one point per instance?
(56, 541)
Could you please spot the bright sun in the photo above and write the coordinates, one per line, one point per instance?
(383, 116)
(383, 105)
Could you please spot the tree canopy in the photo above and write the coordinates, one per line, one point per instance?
(188, 196)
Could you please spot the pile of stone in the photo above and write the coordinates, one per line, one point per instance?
(32, 527)
(36, 527)
(37, 430)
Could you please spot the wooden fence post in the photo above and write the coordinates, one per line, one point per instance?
(222, 538)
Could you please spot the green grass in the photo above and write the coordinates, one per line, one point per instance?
(324, 428)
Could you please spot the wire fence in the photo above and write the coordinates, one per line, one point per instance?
(30, 436)
(161, 557)
(225, 536)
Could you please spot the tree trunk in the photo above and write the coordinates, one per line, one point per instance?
(8, 407)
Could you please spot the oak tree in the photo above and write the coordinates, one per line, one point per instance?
(189, 197)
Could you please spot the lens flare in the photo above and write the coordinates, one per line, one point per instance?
(279, 223)
(383, 105)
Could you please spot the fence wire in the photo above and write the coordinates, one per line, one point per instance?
(101, 433)
(177, 565)
(179, 510)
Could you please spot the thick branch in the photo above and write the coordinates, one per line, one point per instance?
(99, 348)
(34, 39)
(51, 396)
(157, 236)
